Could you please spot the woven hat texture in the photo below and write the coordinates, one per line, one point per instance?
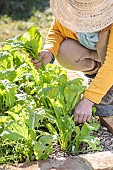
(83, 15)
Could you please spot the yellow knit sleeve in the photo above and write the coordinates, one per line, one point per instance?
(54, 38)
(104, 78)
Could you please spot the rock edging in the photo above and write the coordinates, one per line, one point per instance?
(94, 161)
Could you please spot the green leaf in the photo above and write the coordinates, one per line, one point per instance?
(20, 70)
(83, 135)
(9, 74)
(43, 148)
(32, 41)
(92, 141)
(85, 130)
(4, 55)
(10, 88)
(94, 111)
(4, 119)
(34, 118)
(15, 131)
(32, 136)
(94, 124)
(51, 129)
(51, 92)
(62, 79)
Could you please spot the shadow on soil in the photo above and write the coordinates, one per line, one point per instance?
(22, 9)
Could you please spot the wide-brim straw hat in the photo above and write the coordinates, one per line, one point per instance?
(83, 15)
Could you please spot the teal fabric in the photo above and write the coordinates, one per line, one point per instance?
(88, 40)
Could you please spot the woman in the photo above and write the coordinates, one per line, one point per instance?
(81, 38)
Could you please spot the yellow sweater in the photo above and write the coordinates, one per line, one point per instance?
(104, 78)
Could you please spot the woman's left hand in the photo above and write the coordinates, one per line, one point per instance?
(83, 111)
(45, 56)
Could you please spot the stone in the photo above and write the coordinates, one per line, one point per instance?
(94, 161)
(107, 122)
(68, 163)
(99, 160)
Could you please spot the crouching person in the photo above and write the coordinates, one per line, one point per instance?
(81, 39)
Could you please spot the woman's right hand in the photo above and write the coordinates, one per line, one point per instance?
(83, 111)
(45, 56)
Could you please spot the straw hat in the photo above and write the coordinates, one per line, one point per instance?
(83, 15)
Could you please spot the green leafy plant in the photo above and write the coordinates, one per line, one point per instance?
(36, 106)
(84, 135)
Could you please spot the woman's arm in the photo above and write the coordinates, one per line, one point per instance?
(104, 78)
(54, 38)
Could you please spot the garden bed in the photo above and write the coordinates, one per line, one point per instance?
(43, 18)
(105, 136)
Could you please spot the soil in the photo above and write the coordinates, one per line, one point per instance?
(106, 139)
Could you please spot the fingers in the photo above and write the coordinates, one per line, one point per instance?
(36, 62)
(88, 118)
(82, 117)
(46, 60)
(45, 56)
(37, 66)
(83, 111)
(41, 54)
(76, 117)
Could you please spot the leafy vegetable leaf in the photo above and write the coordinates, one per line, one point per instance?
(32, 41)
(15, 131)
(4, 55)
(10, 88)
(43, 148)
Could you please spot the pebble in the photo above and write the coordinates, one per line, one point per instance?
(106, 138)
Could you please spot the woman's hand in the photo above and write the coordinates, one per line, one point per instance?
(83, 111)
(45, 56)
